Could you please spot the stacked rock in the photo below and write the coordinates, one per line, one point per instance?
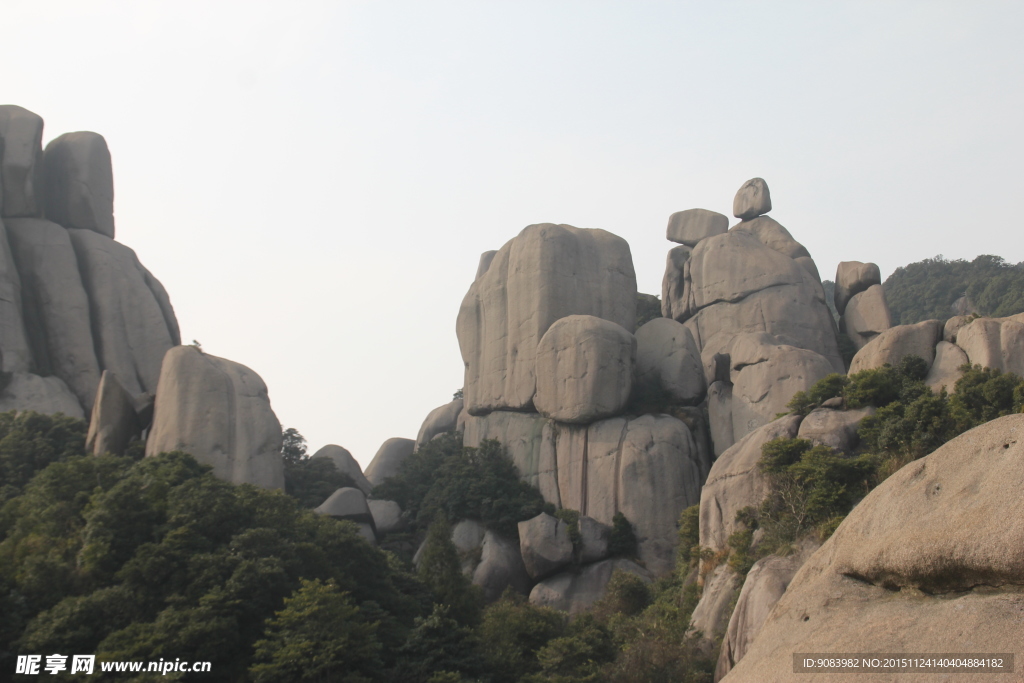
(860, 301)
(752, 301)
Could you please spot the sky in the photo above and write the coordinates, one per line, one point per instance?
(313, 183)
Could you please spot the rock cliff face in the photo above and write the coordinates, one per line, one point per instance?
(73, 302)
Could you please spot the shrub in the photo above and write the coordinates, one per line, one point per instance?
(622, 540)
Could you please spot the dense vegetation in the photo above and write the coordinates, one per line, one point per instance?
(812, 488)
(927, 289)
(309, 480)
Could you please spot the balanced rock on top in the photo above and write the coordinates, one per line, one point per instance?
(752, 200)
(79, 182)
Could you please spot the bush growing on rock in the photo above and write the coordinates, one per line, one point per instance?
(311, 481)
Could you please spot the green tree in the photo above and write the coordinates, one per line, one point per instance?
(511, 634)
(439, 649)
(311, 481)
(30, 441)
(441, 571)
(622, 540)
(320, 635)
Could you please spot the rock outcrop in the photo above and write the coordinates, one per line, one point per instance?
(710, 617)
(933, 556)
(546, 273)
(15, 353)
(114, 424)
(47, 395)
(945, 370)
(56, 307)
(668, 362)
(21, 163)
(836, 429)
(346, 464)
(995, 343)
(866, 316)
(218, 411)
(387, 515)
(80, 182)
(752, 200)
(388, 459)
(854, 277)
(501, 567)
(545, 545)
(584, 369)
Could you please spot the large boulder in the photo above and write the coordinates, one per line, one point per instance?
(546, 273)
(773, 235)
(866, 316)
(594, 538)
(675, 285)
(574, 592)
(765, 376)
(347, 503)
(47, 395)
(752, 199)
(945, 370)
(894, 344)
(736, 482)
(388, 459)
(853, 277)
(995, 343)
(21, 163)
(691, 226)
(501, 567)
(765, 584)
(130, 327)
(218, 411)
(584, 369)
(545, 545)
(933, 556)
(440, 420)
(834, 428)
(80, 182)
(730, 267)
(668, 362)
(15, 353)
(387, 515)
(346, 464)
(114, 423)
(56, 307)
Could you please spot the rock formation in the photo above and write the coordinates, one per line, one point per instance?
(388, 459)
(80, 182)
(546, 273)
(922, 564)
(440, 420)
(894, 344)
(346, 464)
(576, 592)
(219, 412)
(114, 423)
(545, 545)
(691, 226)
(21, 166)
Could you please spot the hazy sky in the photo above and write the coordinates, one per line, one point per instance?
(314, 182)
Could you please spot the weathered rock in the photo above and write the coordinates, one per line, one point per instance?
(765, 377)
(129, 326)
(691, 226)
(720, 416)
(730, 267)
(932, 556)
(796, 315)
(892, 345)
(954, 325)
(711, 615)
(752, 199)
(546, 273)
(15, 354)
(866, 316)
(113, 424)
(593, 540)
(346, 464)
(773, 235)
(485, 262)
(468, 536)
(735, 482)
(675, 285)
(945, 370)
(807, 263)
(995, 343)
(56, 308)
(529, 441)
(440, 420)
(576, 592)
(21, 163)
(668, 362)
(48, 395)
(765, 584)
(80, 182)
(347, 503)
(545, 545)
(218, 411)
(853, 277)
(389, 457)
(366, 531)
(387, 515)
(697, 420)
(500, 567)
(584, 369)
(834, 428)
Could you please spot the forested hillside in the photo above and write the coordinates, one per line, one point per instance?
(929, 289)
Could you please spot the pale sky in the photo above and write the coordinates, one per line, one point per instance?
(314, 182)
